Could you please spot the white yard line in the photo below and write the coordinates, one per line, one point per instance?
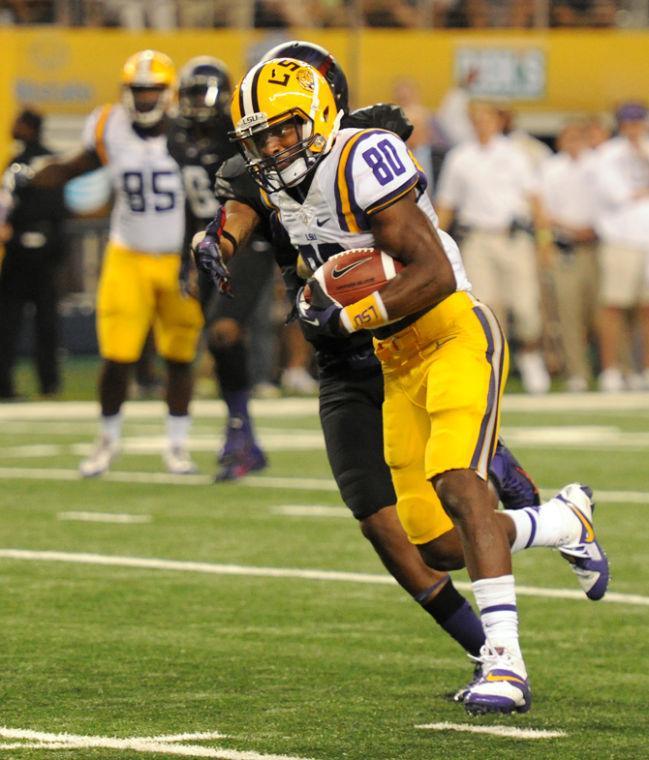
(160, 745)
(508, 731)
(157, 478)
(575, 402)
(198, 736)
(279, 572)
(104, 517)
(84, 410)
(314, 510)
(296, 407)
(256, 481)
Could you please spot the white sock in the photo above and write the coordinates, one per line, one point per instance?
(496, 600)
(111, 427)
(178, 430)
(550, 524)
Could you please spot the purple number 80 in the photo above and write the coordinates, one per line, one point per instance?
(384, 162)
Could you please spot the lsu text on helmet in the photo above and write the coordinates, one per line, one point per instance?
(204, 89)
(320, 59)
(287, 101)
(148, 80)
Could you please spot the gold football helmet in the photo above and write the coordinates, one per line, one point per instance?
(275, 98)
(148, 80)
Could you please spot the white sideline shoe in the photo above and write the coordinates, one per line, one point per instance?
(611, 381)
(534, 375)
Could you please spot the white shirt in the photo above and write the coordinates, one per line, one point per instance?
(149, 210)
(566, 189)
(619, 171)
(487, 185)
(365, 171)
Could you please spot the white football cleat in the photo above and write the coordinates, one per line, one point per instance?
(503, 686)
(587, 558)
(178, 462)
(100, 459)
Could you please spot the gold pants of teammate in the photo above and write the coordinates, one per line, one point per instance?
(137, 291)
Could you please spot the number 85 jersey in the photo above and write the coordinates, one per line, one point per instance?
(149, 210)
(365, 172)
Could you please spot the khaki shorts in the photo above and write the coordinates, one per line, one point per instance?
(503, 272)
(623, 276)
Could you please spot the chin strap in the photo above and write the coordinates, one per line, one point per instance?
(334, 131)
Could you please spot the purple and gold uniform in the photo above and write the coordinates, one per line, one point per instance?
(139, 287)
(444, 369)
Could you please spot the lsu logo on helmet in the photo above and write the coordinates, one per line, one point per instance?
(289, 100)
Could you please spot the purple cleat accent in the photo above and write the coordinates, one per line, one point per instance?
(238, 464)
(503, 686)
(587, 558)
(237, 439)
(515, 488)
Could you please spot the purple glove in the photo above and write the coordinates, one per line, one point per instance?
(208, 256)
(319, 312)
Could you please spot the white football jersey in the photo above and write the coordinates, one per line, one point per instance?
(149, 210)
(366, 171)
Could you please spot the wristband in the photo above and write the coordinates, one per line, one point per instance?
(366, 314)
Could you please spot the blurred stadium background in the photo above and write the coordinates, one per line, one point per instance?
(144, 604)
(546, 59)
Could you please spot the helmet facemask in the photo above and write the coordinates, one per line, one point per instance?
(287, 166)
(145, 110)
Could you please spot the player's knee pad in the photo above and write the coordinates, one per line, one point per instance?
(421, 518)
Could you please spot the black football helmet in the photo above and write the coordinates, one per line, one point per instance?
(320, 59)
(204, 89)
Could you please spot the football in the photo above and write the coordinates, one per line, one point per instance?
(351, 275)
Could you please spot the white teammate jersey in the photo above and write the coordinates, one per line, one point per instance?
(366, 171)
(149, 210)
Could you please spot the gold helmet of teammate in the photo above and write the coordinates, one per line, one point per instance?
(290, 100)
(148, 80)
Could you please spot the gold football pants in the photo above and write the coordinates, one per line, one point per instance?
(137, 291)
(444, 376)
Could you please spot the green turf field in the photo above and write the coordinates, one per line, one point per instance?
(219, 637)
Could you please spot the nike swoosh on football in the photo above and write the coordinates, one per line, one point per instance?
(337, 273)
(323, 222)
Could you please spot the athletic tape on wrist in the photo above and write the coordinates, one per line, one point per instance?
(366, 314)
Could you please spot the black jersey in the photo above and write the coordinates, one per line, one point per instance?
(233, 182)
(37, 209)
(199, 151)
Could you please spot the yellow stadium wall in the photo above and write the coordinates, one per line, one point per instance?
(71, 71)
